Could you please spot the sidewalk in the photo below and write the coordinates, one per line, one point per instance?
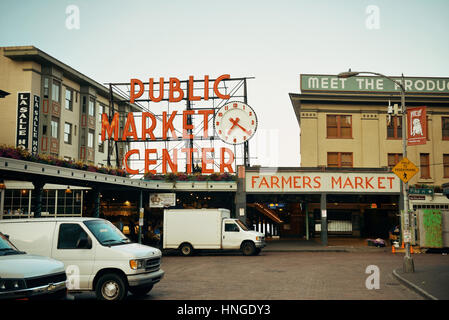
(314, 245)
(430, 281)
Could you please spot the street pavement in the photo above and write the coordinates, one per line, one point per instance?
(300, 270)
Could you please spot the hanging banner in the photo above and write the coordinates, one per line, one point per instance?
(23, 119)
(417, 126)
(35, 126)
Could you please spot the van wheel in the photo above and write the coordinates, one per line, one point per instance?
(248, 248)
(111, 287)
(186, 249)
(141, 291)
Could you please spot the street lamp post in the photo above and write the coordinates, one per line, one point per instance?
(408, 265)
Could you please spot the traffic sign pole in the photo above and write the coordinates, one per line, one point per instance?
(408, 265)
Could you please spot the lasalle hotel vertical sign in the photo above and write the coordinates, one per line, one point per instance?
(25, 111)
(23, 119)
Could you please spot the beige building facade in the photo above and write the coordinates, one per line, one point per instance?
(354, 130)
(68, 111)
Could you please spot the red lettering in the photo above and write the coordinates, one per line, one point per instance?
(185, 125)
(206, 114)
(132, 94)
(205, 161)
(317, 181)
(359, 182)
(161, 90)
(379, 182)
(223, 163)
(368, 183)
(348, 182)
(391, 179)
(149, 161)
(166, 159)
(149, 130)
(216, 84)
(274, 181)
(296, 182)
(285, 181)
(130, 123)
(111, 129)
(264, 182)
(253, 181)
(175, 85)
(189, 152)
(191, 87)
(335, 182)
(168, 125)
(125, 161)
(306, 182)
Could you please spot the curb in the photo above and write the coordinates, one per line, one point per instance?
(414, 287)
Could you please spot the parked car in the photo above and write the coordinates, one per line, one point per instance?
(24, 275)
(96, 255)
(210, 229)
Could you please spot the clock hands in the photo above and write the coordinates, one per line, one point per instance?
(236, 123)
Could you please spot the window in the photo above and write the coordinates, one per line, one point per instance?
(71, 236)
(46, 88)
(100, 144)
(445, 127)
(84, 105)
(101, 110)
(54, 129)
(231, 227)
(425, 165)
(446, 165)
(393, 159)
(68, 99)
(339, 126)
(91, 108)
(56, 86)
(394, 128)
(90, 139)
(68, 133)
(339, 159)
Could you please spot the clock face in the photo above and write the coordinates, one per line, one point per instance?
(235, 122)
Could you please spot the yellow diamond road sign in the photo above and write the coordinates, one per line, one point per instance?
(405, 170)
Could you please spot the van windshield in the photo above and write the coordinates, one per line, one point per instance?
(6, 247)
(106, 233)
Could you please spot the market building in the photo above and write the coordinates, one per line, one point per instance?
(345, 126)
(53, 110)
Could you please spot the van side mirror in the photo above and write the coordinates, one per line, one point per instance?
(84, 243)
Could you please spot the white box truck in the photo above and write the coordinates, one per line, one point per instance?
(196, 229)
(96, 255)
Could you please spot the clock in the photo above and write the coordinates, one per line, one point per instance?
(235, 122)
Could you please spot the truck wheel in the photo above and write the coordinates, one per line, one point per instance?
(186, 249)
(141, 291)
(111, 287)
(248, 248)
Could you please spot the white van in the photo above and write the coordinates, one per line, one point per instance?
(196, 229)
(96, 255)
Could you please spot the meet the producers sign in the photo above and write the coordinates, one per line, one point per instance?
(315, 82)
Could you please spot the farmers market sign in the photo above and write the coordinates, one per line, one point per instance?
(316, 82)
(304, 182)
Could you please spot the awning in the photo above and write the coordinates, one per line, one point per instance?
(27, 185)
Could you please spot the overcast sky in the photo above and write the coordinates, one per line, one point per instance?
(273, 41)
